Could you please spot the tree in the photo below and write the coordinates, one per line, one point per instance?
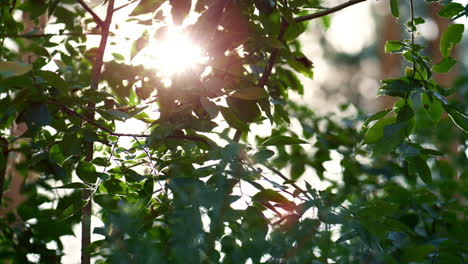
(192, 187)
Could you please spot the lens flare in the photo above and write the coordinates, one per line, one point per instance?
(175, 53)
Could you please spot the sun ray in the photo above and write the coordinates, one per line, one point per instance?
(174, 53)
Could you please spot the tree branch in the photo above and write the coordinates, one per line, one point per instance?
(327, 11)
(96, 18)
(282, 176)
(284, 25)
(29, 36)
(112, 133)
(274, 54)
(125, 5)
(86, 211)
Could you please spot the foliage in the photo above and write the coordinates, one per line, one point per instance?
(181, 190)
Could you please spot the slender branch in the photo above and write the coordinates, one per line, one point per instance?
(96, 18)
(29, 36)
(86, 211)
(237, 136)
(284, 25)
(412, 34)
(112, 133)
(274, 54)
(125, 5)
(282, 176)
(3, 164)
(327, 11)
(12, 7)
(153, 168)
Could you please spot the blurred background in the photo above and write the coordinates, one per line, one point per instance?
(347, 50)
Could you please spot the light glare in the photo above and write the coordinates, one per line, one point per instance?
(174, 54)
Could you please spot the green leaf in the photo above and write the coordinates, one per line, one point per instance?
(250, 93)
(139, 44)
(346, 236)
(52, 5)
(269, 195)
(392, 46)
(283, 140)
(159, 133)
(232, 119)
(405, 113)
(209, 107)
(54, 80)
(265, 6)
(70, 146)
(74, 185)
(72, 209)
(423, 169)
(245, 110)
(294, 30)
(263, 155)
(451, 37)
(13, 68)
(451, 9)
(36, 115)
(444, 65)
(393, 136)
(394, 8)
(86, 172)
(458, 117)
(376, 132)
(376, 116)
(297, 168)
(146, 6)
(396, 87)
(433, 107)
(419, 253)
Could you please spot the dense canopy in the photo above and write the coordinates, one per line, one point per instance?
(166, 129)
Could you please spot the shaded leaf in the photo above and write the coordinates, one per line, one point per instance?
(451, 9)
(13, 68)
(73, 185)
(86, 172)
(146, 6)
(250, 93)
(269, 195)
(458, 117)
(282, 140)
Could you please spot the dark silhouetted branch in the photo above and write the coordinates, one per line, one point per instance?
(96, 18)
(327, 11)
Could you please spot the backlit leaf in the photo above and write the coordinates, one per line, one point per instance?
(451, 37)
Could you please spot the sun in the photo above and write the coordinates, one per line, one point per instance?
(174, 53)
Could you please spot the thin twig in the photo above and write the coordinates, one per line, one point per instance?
(46, 35)
(3, 164)
(125, 5)
(282, 176)
(237, 136)
(274, 54)
(96, 18)
(112, 133)
(153, 168)
(412, 34)
(327, 11)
